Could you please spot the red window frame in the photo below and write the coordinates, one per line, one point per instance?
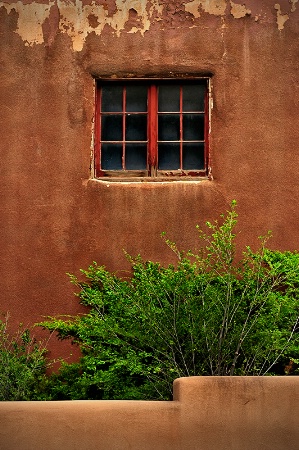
(152, 170)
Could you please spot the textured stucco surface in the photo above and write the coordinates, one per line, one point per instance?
(54, 217)
(208, 413)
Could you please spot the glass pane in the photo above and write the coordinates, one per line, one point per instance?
(112, 98)
(169, 127)
(168, 156)
(112, 127)
(193, 157)
(194, 97)
(136, 127)
(136, 156)
(136, 98)
(169, 98)
(111, 156)
(193, 127)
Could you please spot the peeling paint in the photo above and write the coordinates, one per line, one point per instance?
(78, 20)
(216, 7)
(238, 11)
(293, 2)
(281, 18)
(39, 23)
(75, 21)
(31, 18)
(192, 8)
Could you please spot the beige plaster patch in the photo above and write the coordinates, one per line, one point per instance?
(293, 2)
(238, 11)
(31, 18)
(74, 18)
(192, 8)
(74, 21)
(281, 18)
(215, 7)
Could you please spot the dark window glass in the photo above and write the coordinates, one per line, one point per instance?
(193, 156)
(194, 97)
(136, 155)
(112, 127)
(112, 98)
(111, 157)
(136, 98)
(193, 127)
(136, 127)
(168, 156)
(169, 98)
(168, 127)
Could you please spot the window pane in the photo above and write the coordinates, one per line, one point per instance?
(112, 98)
(193, 127)
(111, 157)
(112, 127)
(169, 156)
(136, 156)
(169, 98)
(193, 156)
(194, 97)
(136, 98)
(136, 127)
(169, 127)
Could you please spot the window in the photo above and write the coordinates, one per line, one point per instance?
(151, 128)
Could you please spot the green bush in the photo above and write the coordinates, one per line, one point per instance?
(22, 365)
(210, 314)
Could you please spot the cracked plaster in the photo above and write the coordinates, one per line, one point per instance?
(74, 18)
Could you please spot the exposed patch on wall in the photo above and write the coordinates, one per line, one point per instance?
(192, 8)
(30, 21)
(293, 3)
(281, 18)
(39, 23)
(238, 11)
(216, 7)
(77, 20)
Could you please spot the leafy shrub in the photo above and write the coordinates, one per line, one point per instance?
(210, 314)
(22, 365)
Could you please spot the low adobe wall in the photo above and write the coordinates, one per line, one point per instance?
(208, 413)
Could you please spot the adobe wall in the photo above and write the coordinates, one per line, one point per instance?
(208, 413)
(54, 217)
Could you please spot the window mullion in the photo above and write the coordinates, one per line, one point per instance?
(181, 127)
(124, 128)
(152, 130)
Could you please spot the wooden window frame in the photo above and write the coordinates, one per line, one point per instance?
(152, 173)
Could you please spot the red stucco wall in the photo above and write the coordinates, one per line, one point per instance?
(54, 217)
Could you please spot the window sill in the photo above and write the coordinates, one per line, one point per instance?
(161, 180)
